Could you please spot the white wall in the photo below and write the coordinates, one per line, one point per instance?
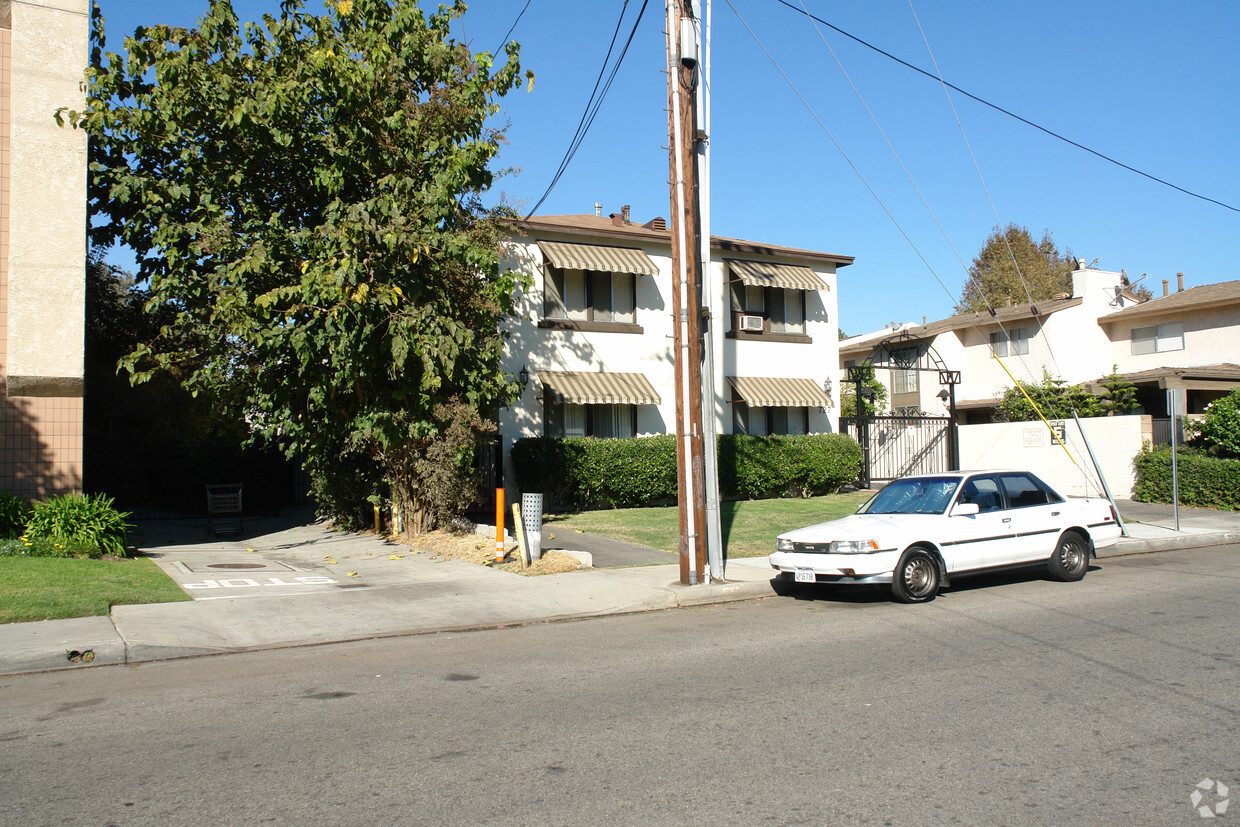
(1115, 440)
(47, 220)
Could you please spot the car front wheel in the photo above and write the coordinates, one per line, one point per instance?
(916, 578)
(1071, 557)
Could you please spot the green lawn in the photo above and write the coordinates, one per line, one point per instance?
(47, 588)
(749, 526)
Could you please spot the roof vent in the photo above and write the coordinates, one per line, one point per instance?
(656, 224)
(1179, 282)
(598, 208)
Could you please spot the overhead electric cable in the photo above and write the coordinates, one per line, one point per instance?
(513, 27)
(1007, 112)
(855, 170)
(1011, 254)
(595, 101)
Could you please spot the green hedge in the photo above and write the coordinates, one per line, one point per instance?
(622, 473)
(1205, 481)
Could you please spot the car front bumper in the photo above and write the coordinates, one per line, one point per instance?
(837, 568)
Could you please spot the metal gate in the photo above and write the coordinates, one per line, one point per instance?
(897, 446)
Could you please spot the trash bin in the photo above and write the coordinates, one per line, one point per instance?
(531, 519)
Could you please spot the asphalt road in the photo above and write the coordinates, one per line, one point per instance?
(1011, 700)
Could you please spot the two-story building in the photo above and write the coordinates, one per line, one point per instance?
(1062, 334)
(594, 332)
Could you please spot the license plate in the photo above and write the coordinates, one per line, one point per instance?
(806, 576)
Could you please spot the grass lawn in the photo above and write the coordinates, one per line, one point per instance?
(749, 526)
(47, 588)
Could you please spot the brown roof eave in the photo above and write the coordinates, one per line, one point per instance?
(631, 232)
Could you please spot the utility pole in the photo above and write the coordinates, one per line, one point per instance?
(682, 68)
(711, 338)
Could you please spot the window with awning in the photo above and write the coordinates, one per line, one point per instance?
(769, 392)
(767, 274)
(601, 405)
(570, 256)
(585, 388)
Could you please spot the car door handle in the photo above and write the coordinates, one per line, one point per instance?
(1007, 519)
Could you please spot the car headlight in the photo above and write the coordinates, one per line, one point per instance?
(784, 544)
(853, 546)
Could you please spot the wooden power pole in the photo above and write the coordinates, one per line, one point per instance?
(682, 73)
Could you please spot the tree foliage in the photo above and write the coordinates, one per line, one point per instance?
(873, 406)
(304, 195)
(1056, 399)
(994, 277)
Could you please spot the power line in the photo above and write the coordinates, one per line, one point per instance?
(596, 99)
(513, 27)
(1009, 113)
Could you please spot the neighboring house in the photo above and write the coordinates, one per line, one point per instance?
(594, 333)
(1062, 334)
(43, 55)
(1186, 340)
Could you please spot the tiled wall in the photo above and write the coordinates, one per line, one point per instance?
(40, 437)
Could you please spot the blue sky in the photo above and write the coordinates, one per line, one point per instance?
(1154, 85)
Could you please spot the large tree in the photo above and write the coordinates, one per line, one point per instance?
(1008, 256)
(304, 194)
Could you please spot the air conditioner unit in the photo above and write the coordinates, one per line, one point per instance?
(751, 323)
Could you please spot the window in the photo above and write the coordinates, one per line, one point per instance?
(601, 421)
(904, 380)
(756, 421)
(589, 296)
(783, 309)
(1158, 338)
(1018, 346)
(1024, 490)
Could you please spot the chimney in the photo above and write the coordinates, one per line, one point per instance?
(624, 213)
(1179, 282)
(1166, 287)
(598, 208)
(923, 321)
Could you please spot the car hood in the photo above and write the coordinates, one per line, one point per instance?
(859, 527)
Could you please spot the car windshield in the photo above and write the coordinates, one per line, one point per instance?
(920, 495)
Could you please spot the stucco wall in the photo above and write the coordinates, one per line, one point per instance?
(47, 189)
(1115, 440)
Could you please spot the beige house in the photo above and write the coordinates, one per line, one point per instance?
(1189, 339)
(43, 53)
(990, 350)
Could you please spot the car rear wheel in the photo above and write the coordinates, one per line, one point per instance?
(916, 578)
(1071, 558)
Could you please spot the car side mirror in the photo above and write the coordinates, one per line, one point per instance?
(965, 509)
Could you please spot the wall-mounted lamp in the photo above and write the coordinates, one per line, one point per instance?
(943, 394)
(524, 375)
(826, 386)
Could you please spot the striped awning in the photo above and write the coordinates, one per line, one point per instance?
(769, 392)
(580, 388)
(595, 257)
(765, 274)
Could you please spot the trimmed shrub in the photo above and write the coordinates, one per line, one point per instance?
(14, 512)
(623, 473)
(79, 525)
(1205, 481)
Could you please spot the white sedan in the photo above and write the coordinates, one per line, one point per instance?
(917, 532)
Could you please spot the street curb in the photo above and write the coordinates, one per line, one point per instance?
(39, 654)
(1127, 546)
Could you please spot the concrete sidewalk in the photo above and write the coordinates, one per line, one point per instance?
(291, 585)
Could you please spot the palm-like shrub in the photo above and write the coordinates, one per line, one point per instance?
(80, 525)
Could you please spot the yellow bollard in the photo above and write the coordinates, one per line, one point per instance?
(499, 525)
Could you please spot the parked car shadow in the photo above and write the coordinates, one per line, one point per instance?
(881, 593)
